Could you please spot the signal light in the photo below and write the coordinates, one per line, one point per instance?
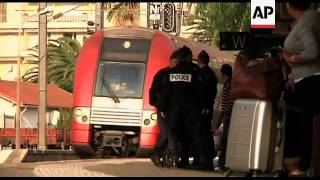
(90, 31)
(155, 26)
(90, 23)
(168, 22)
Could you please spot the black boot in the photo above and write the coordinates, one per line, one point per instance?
(156, 159)
(166, 160)
(175, 159)
(196, 161)
(170, 159)
(184, 162)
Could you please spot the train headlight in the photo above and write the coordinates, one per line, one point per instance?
(81, 115)
(149, 118)
(84, 118)
(146, 122)
(127, 44)
(78, 112)
(154, 116)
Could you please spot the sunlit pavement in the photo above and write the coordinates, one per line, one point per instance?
(99, 168)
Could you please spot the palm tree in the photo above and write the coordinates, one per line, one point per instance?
(123, 13)
(62, 55)
(213, 18)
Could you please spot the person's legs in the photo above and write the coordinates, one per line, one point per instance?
(224, 142)
(184, 140)
(202, 133)
(162, 140)
(209, 135)
(198, 136)
(308, 90)
(291, 147)
(171, 155)
(207, 141)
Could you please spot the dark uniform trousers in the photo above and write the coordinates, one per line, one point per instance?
(167, 140)
(206, 136)
(207, 140)
(185, 127)
(163, 135)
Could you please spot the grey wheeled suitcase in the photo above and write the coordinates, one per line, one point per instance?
(256, 138)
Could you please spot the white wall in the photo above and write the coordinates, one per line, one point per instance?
(8, 71)
(1, 120)
(30, 117)
(54, 117)
(6, 108)
(143, 14)
(9, 45)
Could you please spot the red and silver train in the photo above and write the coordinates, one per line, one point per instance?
(114, 72)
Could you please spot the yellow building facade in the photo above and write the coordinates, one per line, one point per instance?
(23, 18)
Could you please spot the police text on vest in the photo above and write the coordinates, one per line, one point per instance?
(180, 77)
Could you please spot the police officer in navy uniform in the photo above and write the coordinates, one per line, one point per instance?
(209, 91)
(181, 95)
(154, 100)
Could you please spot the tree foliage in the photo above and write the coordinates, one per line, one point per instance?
(62, 55)
(123, 13)
(65, 119)
(213, 18)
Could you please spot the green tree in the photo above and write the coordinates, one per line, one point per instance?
(65, 119)
(62, 55)
(122, 13)
(212, 18)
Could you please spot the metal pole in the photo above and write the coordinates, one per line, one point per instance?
(42, 77)
(148, 14)
(64, 127)
(179, 9)
(99, 17)
(181, 17)
(18, 90)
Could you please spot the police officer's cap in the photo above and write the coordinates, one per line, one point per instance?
(180, 54)
(174, 55)
(186, 51)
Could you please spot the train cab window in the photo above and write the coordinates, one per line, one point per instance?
(120, 79)
(125, 49)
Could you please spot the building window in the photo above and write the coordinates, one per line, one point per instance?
(67, 35)
(70, 35)
(3, 12)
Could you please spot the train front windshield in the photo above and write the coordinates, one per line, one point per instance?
(122, 67)
(120, 79)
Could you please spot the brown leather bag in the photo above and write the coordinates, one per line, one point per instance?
(261, 79)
